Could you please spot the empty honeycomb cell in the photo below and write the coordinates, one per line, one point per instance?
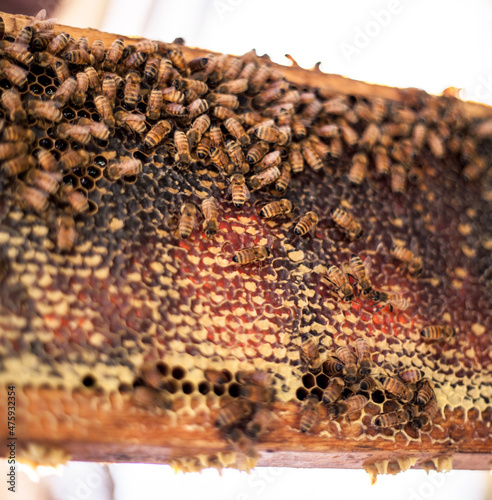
(5, 84)
(89, 381)
(308, 381)
(188, 387)
(36, 89)
(204, 388)
(50, 90)
(219, 390)
(301, 393)
(322, 381)
(93, 208)
(68, 113)
(100, 161)
(87, 183)
(71, 180)
(138, 155)
(130, 179)
(82, 113)
(234, 390)
(178, 372)
(43, 80)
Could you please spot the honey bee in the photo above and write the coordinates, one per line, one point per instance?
(94, 82)
(284, 179)
(198, 128)
(409, 257)
(411, 375)
(311, 157)
(2, 28)
(20, 53)
(296, 158)
(237, 130)
(364, 356)
(123, 168)
(251, 254)
(203, 148)
(187, 221)
(347, 357)
(45, 109)
(394, 300)
(310, 352)
(234, 413)
(236, 155)
(114, 53)
(178, 60)
(336, 106)
(15, 133)
(358, 169)
(58, 43)
(171, 94)
(257, 152)
(320, 148)
(271, 134)
(333, 390)
(221, 160)
(398, 178)
(306, 223)
(80, 133)
(258, 377)
(259, 425)
(11, 101)
(237, 86)
(270, 94)
(251, 118)
(270, 160)
(398, 389)
(134, 121)
(239, 190)
(348, 134)
(247, 71)
(18, 164)
(425, 392)
(104, 108)
(12, 149)
(47, 161)
(223, 113)
(197, 86)
(339, 280)
(166, 72)
(148, 397)
(360, 271)
(197, 107)
(132, 88)
(65, 235)
(198, 64)
(152, 67)
(80, 93)
(210, 212)
(257, 393)
(276, 208)
(419, 134)
(264, 178)
(348, 223)
(98, 50)
(328, 131)
(74, 158)
(241, 442)
(429, 412)
(310, 413)
(367, 384)
(437, 332)
(97, 129)
(24, 36)
(216, 377)
(332, 367)
(233, 68)
(394, 418)
(136, 59)
(258, 80)
(369, 137)
(378, 107)
(381, 160)
(41, 40)
(336, 149)
(155, 104)
(40, 23)
(32, 197)
(109, 89)
(46, 181)
(79, 57)
(474, 169)
(435, 143)
(157, 133)
(175, 109)
(350, 405)
(228, 100)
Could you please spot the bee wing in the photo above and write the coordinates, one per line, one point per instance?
(41, 15)
(137, 117)
(347, 269)
(327, 281)
(247, 194)
(368, 265)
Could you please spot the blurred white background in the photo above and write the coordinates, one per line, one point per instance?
(431, 45)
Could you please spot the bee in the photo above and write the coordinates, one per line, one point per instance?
(358, 169)
(136, 59)
(210, 212)
(336, 106)
(429, 412)
(12, 149)
(203, 148)
(80, 93)
(360, 271)
(42, 40)
(336, 148)
(197, 107)
(339, 280)
(171, 94)
(2, 28)
(296, 158)
(114, 53)
(398, 389)
(320, 148)
(333, 390)
(234, 413)
(411, 375)
(98, 50)
(310, 353)
(233, 86)
(271, 134)
(251, 118)
(233, 68)
(79, 57)
(394, 300)
(148, 397)
(378, 107)
(178, 60)
(97, 129)
(48, 110)
(237, 130)
(348, 134)
(394, 418)
(175, 109)
(47, 161)
(236, 155)
(369, 137)
(109, 89)
(409, 257)
(228, 100)
(264, 178)
(216, 137)
(134, 121)
(257, 152)
(242, 443)
(182, 148)
(381, 160)
(198, 64)
(61, 70)
(419, 134)
(216, 377)
(24, 36)
(258, 377)
(20, 53)
(154, 105)
(276, 208)
(247, 71)
(187, 221)
(239, 190)
(435, 144)
(15, 133)
(80, 133)
(348, 223)
(18, 164)
(74, 158)
(347, 357)
(94, 82)
(223, 113)
(132, 88)
(166, 72)
(260, 424)
(398, 178)
(257, 393)
(364, 355)
(332, 367)
(40, 23)
(311, 111)
(311, 157)
(129, 166)
(328, 131)
(269, 95)
(65, 234)
(32, 197)
(307, 222)
(11, 101)
(152, 67)
(474, 169)
(310, 413)
(258, 80)
(367, 384)
(157, 133)
(284, 179)
(251, 254)
(104, 108)
(350, 405)
(437, 332)
(58, 43)
(425, 392)
(197, 86)
(270, 160)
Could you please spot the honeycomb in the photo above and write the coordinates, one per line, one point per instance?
(102, 296)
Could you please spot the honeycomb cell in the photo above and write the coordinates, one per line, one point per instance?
(71, 180)
(61, 145)
(87, 183)
(100, 161)
(187, 387)
(178, 372)
(36, 89)
(46, 143)
(45, 81)
(50, 90)
(89, 381)
(204, 388)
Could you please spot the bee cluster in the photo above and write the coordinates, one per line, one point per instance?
(344, 383)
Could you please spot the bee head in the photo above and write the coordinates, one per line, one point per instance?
(235, 258)
(376, 296)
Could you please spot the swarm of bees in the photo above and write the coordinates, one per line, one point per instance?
(352, 382)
